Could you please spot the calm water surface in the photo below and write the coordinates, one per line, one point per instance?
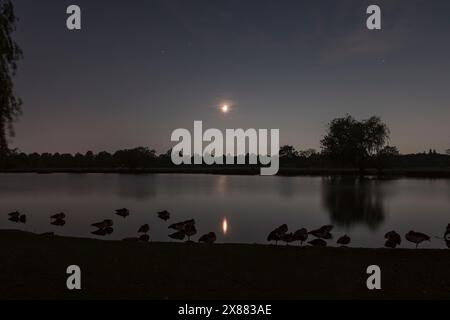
(251, 205)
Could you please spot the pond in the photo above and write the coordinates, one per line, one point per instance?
(239, 209)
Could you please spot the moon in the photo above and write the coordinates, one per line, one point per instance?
(224, 108)
(225, 225)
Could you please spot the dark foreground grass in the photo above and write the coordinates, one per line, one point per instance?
(33, 266)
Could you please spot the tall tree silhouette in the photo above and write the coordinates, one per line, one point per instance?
(10, 53)
(349, 142)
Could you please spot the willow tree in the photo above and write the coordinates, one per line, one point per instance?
(10, 53)
(349, 142)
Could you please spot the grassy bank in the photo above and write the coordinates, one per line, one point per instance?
(34, 266)
(431, 172)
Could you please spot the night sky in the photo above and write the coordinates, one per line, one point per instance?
(141, 68)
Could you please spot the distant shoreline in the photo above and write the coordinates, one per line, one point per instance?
(430, 172)
(34, 267)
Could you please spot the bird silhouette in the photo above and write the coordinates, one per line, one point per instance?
(103, 227)
(99, 232)
(317, 242)
(124, 212)
(17, 217)
(164, 215)
(209, 238)
(14, 214)
(277, 234)
(393, 239)
(14, 219)
(344, 240)
(58, 216)
(181, 226)
(416, 237)
(144, 229)
(390, 243)
(58, 222)
(301, 235)
(103, 224)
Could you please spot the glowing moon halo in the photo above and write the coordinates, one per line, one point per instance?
(224, 108)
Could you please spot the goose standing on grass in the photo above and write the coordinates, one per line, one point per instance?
(393, 239)
(184, 228)
(164, 215)
(208, 238)
(277, 234)
(344, 240)
(416, 237)
(301, 235)
(124, 212)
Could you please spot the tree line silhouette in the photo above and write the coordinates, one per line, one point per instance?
(145, 158)
(348, 143)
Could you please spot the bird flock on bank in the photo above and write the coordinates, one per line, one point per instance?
(187, 229)
(184, 229)
(321, 235)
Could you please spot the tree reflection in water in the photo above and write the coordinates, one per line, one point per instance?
(354, 200)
